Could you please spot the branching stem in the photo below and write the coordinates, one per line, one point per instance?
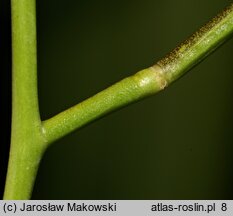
(30, 137)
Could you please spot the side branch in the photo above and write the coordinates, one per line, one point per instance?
(129, 90)
(148, 81)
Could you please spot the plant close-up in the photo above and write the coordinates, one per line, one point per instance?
(177, 139)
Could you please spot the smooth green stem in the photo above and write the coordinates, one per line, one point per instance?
(27, 142)
(128, 90)
(30, 137)
(202, 43)
(146, 82)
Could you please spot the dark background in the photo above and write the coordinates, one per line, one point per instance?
(174, 145)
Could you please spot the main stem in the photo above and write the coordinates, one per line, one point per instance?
(27, 142)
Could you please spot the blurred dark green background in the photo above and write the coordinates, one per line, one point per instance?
(174, 145)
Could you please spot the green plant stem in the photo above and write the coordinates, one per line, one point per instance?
(27, 142)
(131, 89)
(30, 136)
(197, 47)
(146, 82)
